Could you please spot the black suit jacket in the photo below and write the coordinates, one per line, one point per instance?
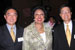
(60, 41)
(6, 42)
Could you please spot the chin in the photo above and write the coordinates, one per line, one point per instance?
(40, 22)
(11, 23)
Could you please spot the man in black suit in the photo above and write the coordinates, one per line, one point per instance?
(11, 40)
(64, 34)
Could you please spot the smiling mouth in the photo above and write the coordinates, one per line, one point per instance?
(12, 20)
(39, 19)
(66, 16)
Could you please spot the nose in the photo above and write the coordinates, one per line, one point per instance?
(39, 16)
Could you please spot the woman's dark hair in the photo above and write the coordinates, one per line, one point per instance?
(39, 7)
(10, 8)
(65, 5)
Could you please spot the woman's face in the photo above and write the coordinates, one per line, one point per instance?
(39, 16)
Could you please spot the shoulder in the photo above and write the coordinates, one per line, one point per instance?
(3, 27)
(46, 25)
(29, 27)
(59, 26)
(19, 28)
(28, 31)
(73, 22)
(48, 29)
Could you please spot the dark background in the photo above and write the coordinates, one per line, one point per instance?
(72, 4)
(3, 5)
(24, 6)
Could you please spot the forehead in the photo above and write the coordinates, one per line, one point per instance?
(39, 10)
(65, 8)
(11, 11)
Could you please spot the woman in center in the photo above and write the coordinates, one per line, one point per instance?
(37, 36)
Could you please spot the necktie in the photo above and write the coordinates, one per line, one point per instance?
(12, 34)
(68, 35)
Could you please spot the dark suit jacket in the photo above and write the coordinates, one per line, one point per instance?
(60, 41)
(6, 42)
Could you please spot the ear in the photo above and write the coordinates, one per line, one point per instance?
(60, 14)
(5, 16)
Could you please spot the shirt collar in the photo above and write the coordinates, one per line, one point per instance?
(70, 23)
(9, 27)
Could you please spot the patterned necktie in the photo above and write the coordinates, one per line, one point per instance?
(12, 34)
(68, 35)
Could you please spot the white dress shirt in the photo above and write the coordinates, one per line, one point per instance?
(9, 28)
(70, 26)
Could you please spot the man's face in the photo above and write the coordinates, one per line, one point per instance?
(65, 14)
(11, 16)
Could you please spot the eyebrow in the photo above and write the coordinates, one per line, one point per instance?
(11, 13)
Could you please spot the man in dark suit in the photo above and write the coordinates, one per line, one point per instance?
(11, 34)
(64, 34)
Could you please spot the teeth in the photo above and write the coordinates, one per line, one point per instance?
(11, 20)
(66, 16)
(39, 19)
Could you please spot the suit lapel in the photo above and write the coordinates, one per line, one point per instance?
(37, 35)
(63, 35)
(48, 35)
(73, 32)
(17, 34)
(7, 34)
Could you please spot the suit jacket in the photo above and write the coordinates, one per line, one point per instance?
(33, 40)
(60, 40)
(6, 42)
